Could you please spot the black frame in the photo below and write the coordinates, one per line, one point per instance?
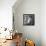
(28, 19)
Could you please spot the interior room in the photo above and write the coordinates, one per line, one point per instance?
(22, 23)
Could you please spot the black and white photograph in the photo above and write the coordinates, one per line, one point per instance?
(28, 19)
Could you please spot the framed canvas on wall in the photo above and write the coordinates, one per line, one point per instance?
(28, 19)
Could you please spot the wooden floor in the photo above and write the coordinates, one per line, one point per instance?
(9, 43)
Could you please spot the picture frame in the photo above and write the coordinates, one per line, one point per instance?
(29, 19)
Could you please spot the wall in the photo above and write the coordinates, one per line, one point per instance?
(43, 22)
(6, 13)
(29, 32)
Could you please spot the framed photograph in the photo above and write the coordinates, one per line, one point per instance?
(28, 19)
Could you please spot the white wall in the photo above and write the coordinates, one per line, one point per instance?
(29, 7)
(6, 13)
(43, 22)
